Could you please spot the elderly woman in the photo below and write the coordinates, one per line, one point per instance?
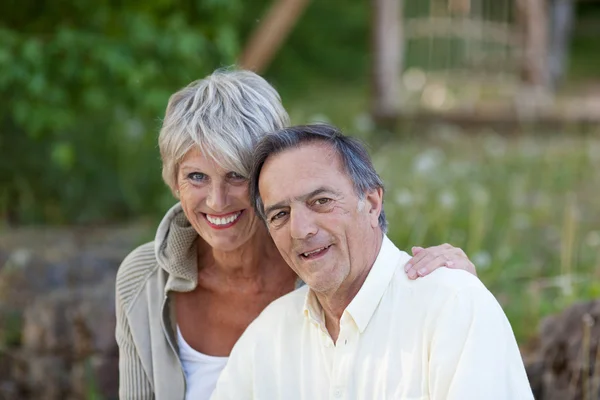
(184, 299)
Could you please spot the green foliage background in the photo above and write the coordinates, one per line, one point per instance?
(83, 88)
(84, 85)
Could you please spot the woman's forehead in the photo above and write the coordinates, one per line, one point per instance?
(197, 158)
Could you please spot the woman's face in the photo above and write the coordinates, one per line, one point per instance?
(216, 202)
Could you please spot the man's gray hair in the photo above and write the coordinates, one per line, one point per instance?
(224, 115)
(352, 153)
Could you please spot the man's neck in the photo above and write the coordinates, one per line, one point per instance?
(335, 303)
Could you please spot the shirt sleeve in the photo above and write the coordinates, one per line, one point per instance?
(473, 353)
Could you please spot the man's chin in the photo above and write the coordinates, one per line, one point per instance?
(320, 285)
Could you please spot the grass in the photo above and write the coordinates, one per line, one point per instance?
(526, 209)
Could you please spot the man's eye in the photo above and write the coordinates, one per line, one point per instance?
(322, 201)
(278, 216)
(197, 176)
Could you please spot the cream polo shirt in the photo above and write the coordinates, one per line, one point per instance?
(440, 337)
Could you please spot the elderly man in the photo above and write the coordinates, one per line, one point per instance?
(360, 329)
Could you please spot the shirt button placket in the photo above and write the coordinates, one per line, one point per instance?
(338, 393)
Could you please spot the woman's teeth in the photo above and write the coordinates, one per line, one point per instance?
(223, 220)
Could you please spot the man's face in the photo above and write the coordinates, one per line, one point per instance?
(318, 223)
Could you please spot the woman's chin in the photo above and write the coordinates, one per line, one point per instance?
(226, 243)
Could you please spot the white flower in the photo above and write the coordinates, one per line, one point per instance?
(447, 199)
(592, 239)
(404, 198)
(493, 144)
(428, 161)
(482, 259)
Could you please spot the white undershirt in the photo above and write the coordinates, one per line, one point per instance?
(201, 371)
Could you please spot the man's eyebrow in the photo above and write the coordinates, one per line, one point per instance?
(304, 197)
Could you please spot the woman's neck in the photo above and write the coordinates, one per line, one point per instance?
(252, 267)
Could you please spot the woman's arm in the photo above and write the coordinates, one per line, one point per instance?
(133, 381)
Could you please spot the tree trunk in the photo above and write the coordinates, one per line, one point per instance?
(387, 60)
(270, 34)
(532, 19)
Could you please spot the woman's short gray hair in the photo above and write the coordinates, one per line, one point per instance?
(224, 115)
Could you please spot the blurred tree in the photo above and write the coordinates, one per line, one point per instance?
(387, 60)
(329, 44)
(264, 43)
(83, 88)
(532, 19)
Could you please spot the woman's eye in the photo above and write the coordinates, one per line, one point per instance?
(197, 176)
(235, 176)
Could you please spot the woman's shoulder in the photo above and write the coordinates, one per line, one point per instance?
(134, 271)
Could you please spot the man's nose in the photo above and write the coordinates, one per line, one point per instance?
(302, 223)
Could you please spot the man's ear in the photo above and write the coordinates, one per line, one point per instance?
(374, 203)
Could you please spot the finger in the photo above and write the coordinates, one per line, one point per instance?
(419, 256)
(450, 251)
(464, 264)
(432, 265)
(448, 255)
(453, 253)
(411, 266)
(421, 264)
(416, 250)
(457, 259)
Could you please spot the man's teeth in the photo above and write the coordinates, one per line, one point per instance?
(314, 251)
(223, 221)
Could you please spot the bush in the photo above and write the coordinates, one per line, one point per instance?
(83, 91)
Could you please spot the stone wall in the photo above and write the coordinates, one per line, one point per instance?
(57, 321)
(57, 311)
(566, 362)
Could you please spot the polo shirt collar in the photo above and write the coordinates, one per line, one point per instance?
(364, 304)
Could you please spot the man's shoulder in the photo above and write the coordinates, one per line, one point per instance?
(454, 279)
(134, 271)
(288, 306)
(284, 312)
(443, 282)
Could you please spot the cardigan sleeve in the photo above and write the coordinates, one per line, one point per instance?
(133, 381)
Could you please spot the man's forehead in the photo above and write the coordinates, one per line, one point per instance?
(284, 171)
(311, 154)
